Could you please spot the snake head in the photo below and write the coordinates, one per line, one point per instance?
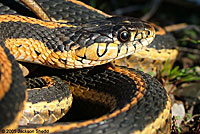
(113, 38)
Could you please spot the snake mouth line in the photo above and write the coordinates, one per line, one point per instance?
(107, 52)
(134, 41)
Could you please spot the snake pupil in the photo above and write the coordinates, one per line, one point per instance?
(123, 36)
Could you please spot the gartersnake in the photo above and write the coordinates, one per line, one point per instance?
(137, 103)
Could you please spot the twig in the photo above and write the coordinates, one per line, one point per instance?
(196, 115)
(185, 49)
(175, 27)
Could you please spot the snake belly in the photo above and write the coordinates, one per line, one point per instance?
(139, 89)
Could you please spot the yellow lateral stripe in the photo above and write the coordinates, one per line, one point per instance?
(23, 19)
(6, 73)
(164, 119)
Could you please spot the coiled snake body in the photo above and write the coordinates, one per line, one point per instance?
(137, 103)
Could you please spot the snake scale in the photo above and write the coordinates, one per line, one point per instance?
(76, 39)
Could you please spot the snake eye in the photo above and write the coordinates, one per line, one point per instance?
(123, 36)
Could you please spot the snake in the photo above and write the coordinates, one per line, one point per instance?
(76, 42)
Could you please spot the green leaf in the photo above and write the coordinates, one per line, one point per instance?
(151, 73)
(177, 117)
